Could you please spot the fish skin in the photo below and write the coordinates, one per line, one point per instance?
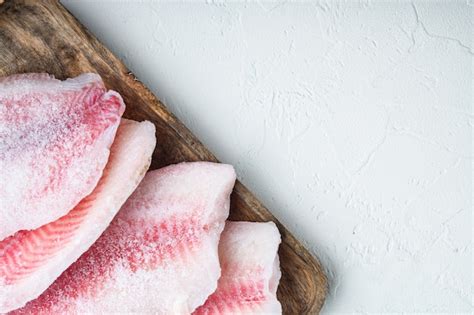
(159, 255)
(54, 144)
(30, 261)
(250, 271)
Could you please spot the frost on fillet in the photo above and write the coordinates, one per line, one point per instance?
(159, 255)
(54, 143)
(30, 261)
(250, 271)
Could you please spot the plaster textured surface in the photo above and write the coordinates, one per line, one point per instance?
(351, 122)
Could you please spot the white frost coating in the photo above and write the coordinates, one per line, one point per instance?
(130, 158)
(54, 143)
(163, 291)
(41, 81)
(176, 285)
(351, 121)
(159, 255)
(248, 254)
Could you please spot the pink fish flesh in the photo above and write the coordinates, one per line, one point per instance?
(30, 261)
(250, 271)
(159, 255)
(54, 143)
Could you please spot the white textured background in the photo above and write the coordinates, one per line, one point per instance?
(352, 122)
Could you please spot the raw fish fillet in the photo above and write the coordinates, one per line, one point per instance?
(159, 255)
(30, 261)
(250, 271)
(54, 143)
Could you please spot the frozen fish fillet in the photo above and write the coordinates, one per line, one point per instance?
(159, 255)
(30, 261)
(250, 271)
(54, 144)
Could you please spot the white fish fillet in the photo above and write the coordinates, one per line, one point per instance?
(30, 261)
(54, 144)
(159, 255)
(250, 271)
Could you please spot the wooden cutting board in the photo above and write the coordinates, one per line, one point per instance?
(42, 36)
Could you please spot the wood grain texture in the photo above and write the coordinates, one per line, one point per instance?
(42, 36)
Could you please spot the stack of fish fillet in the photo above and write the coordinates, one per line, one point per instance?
(85, 229)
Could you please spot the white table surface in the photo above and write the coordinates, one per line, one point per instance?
(351, 122)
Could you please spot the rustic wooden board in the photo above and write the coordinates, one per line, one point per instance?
(42, 36)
